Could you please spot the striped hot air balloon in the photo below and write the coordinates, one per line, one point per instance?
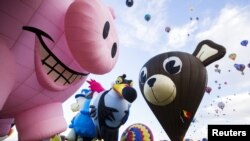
(137, 132)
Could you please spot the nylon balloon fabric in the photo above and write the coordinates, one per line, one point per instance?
(137, 132)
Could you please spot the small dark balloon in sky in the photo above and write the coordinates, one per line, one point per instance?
(129, 3)
(147, 17)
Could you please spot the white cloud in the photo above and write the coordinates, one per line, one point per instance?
(236, 111)
(179, 36)
(236, 106)
(229, 29)
(134, 31)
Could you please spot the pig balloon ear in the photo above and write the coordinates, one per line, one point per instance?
(112, 12)
(208, 52)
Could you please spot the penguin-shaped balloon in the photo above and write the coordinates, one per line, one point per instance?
(110, 109)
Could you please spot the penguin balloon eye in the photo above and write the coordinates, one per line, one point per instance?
(118, 80)
(143, 75)
(172, 65)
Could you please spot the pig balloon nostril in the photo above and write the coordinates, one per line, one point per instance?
(114, 50)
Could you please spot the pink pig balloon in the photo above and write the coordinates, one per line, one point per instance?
(47, 50)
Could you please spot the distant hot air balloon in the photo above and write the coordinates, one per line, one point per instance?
(167, 29)
(191, 8)
(217, 68)
(137, 132)
(221, 105)
(208, 89)
(240, 67)
(197, 18)
(244, 42)
(204, 139)
(194, 120)
(188, 140)
(248, 65)
(216, 111)
(147, 17)
(232, 56)
(129, 3)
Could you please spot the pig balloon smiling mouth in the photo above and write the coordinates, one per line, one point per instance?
(46, 61)
(47, 50)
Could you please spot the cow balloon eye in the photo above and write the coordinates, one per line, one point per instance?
(172, 65)
(143, 75)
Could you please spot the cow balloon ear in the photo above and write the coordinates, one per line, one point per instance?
(208, 52)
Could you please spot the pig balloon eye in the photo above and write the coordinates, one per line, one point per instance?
(172, 65)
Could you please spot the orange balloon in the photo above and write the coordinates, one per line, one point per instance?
(232, 56)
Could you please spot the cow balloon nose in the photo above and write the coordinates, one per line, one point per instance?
(129, 93)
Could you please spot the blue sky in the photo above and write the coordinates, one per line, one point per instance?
(223, 21)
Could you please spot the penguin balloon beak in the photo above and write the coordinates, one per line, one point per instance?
(125, 91)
